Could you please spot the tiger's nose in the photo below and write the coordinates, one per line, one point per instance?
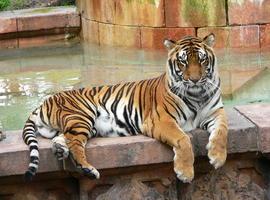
(194, 80)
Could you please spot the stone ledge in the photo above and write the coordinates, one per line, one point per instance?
(260, 116)
(128, 151)
(16, 24)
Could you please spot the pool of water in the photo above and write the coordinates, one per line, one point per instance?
(27, 76)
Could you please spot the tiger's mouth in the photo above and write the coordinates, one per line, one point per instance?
(195, 89)
(198, 89)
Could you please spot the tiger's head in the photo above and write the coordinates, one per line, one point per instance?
(191, 67)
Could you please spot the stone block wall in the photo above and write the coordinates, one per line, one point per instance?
(146, 23)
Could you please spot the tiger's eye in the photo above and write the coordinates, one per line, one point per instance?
(182, 56)
(202, 56)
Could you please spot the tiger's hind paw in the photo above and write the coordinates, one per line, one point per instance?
(91, 173)
(60, 151)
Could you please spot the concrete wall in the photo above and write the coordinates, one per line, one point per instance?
(145, 23)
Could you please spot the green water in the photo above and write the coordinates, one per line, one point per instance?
(27, 76)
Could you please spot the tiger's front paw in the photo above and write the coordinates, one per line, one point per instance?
(186, 175)
(183, 166)
(217, 153)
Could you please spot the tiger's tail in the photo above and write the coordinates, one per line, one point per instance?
(29, 137)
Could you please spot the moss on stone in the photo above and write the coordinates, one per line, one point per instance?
(41, 10)
(206, 11)
(144, 1)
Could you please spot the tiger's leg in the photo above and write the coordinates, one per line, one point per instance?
(60, 148)
(217, 126)
(76, 141)
(169, 132)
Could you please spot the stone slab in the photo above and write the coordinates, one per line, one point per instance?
(45, 11)
(248, 12)
(127, 151)
(38, 19)
(13, 150)
(260, 115)
(7, 22)
(106, 153)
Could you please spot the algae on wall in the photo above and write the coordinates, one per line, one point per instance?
(198, 10)
(22, 4)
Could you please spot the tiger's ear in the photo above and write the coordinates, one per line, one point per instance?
(209, 40)
(169, 44)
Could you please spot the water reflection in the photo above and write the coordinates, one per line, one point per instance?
(30, 75)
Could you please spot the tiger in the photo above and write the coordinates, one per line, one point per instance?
(185, 97)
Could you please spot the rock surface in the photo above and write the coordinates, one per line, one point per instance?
(236, 180)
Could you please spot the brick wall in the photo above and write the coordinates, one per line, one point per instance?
(145, 23)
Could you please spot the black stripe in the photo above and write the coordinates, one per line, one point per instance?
(140, 98)
(31, 141)
(172, 70)
(190, 106)
(131, 101)
(34, 159)
(29, 136)
(167, 111)
(33, 147)
(130, 128)
(117, 100)
(74, 132)
(99, 88)
(120, 134)
(93, 91)
(106, 95)
(137, 122)
(32, 170)
(129, 88)
(176, 107)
